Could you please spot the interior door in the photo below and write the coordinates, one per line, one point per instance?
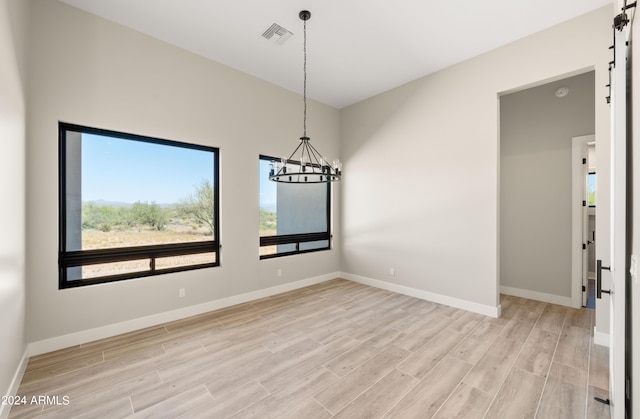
(580, 215)
(585, 222)
(618, 225)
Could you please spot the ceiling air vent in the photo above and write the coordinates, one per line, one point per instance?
(277, 34)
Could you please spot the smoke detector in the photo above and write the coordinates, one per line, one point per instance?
(562, 92)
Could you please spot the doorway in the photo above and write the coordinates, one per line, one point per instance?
(584, 183)
(536, 215)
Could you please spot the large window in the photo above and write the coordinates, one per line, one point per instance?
(294, 218)
(133, 206)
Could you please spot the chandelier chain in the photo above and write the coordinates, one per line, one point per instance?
(304, 69)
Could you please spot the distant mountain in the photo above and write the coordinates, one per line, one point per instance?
(118, 204)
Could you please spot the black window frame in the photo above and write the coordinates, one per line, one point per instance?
(68, 259)
(297, 239)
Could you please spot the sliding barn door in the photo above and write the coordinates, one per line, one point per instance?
(618, 267)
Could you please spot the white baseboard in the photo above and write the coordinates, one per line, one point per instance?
(85, 336)
(90, 335)
(426, 295)
(15, 384)
(535, 295)
(600, 338)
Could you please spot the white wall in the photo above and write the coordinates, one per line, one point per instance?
(536, 128)
(89, 71)
(422, 190)
(13, 51)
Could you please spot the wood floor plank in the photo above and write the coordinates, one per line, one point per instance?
(309, 409)
(258, 367)
(429, 355)
(46, 360)
(573, 347)
(338, 328)
(415, 305)
(510, 306)
(466, 323)
(490, 371)
(291, 371)
(112, 409)
(579, 318)
(277, 343)
(177, 405)
(350, 360)
(474, 346)
(337, 348)
(190, 375)
(153, 394)
(84, 399)
(232, 380)
(368, 300)
(216, 363)
(109, 373)
(448, 311)
(537, 352)
(365, 329)
(424, 400)
(465, 402)
(126, 338)
(518, 396)
(519, 327)
(552, 318)
(233, 402)
(380, 397)
(347, 388)
(403, 322)
(289, 398)
(565, 393)
(534, 306)
(193, 323)
(421, 333)
(599, 366)
(72, 364)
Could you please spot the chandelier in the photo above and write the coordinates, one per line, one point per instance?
(305, 164)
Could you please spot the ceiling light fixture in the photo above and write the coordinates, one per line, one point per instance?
(562, 92)
(310, 166)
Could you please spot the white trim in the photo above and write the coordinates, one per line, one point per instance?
(90, 335)
(600, 338)
(579, 151)
(535, 295)
(15, 384)
(426, 295)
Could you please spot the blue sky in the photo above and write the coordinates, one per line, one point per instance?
(129, 171)
(268, 189)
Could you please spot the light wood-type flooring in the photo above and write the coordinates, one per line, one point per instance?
(337, 349)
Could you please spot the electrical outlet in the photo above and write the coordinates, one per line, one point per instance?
(279, 272)
(392, 271)
(181, 292)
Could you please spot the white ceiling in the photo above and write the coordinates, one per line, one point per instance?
(356, 48)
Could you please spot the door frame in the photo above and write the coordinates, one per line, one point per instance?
(579, 217)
